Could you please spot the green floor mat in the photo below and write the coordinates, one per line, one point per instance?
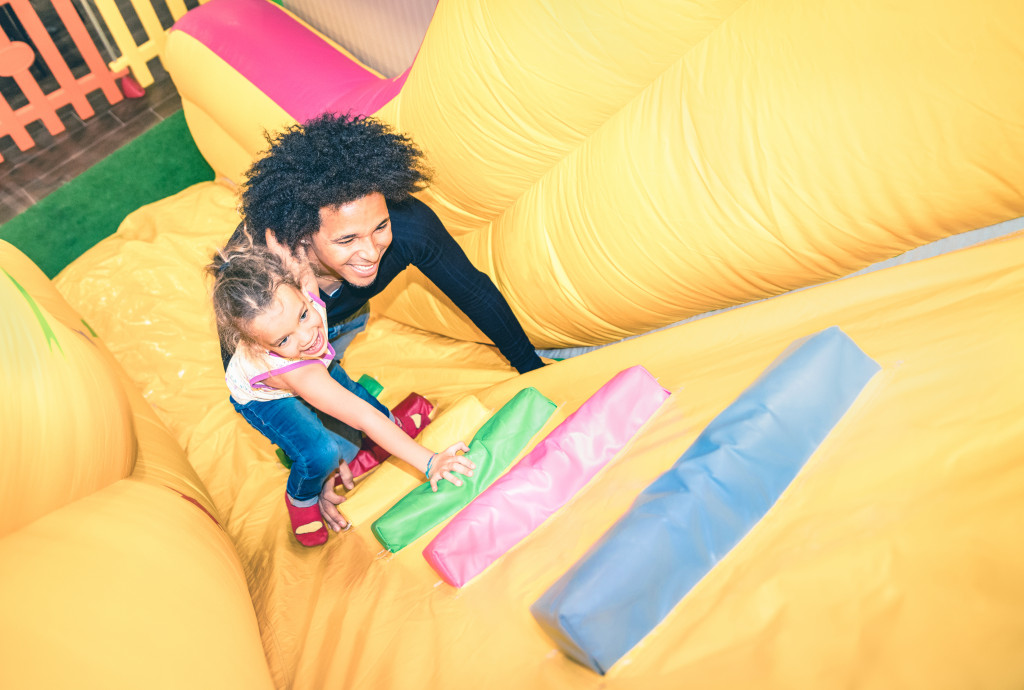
(58, 229)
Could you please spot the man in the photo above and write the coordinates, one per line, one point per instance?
(336, 193)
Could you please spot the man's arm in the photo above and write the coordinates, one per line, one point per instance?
(442, 260)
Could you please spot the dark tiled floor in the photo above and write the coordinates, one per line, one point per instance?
(28, 176)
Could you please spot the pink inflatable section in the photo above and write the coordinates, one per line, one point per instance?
(331, 81)
(546, 478)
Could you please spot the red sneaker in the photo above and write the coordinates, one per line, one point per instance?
(307, 525)
(411, 415)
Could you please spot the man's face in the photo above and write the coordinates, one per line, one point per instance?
(352, 239)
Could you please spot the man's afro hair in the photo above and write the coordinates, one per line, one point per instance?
(328, 161)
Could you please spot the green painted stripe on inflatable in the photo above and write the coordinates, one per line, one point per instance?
(48, 333)
(495, 445)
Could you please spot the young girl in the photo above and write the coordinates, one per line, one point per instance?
(276, 333)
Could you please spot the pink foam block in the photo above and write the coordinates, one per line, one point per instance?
(543, 481)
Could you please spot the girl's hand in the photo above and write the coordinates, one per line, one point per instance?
(449, 465)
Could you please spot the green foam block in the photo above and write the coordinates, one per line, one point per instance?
(372, 385)
(495, 445)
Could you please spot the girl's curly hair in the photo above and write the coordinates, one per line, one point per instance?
(245, 281)
(328, 161)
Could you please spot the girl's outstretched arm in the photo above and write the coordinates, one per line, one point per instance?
(314, 384)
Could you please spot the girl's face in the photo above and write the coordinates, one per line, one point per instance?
(291, 327)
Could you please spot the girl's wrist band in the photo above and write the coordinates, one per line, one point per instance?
(429, 463)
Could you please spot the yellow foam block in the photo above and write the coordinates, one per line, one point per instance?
(391, 480)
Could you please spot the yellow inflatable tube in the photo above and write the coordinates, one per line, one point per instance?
(788, 146)
(112, 559)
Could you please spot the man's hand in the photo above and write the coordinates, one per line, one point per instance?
(331, 499)
(297, 263)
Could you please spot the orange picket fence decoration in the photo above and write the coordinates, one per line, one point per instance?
(16, 57)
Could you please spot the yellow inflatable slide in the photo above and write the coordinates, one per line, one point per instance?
(616, 169)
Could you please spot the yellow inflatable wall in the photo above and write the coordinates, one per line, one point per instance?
(754, 148)
(615, 168)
